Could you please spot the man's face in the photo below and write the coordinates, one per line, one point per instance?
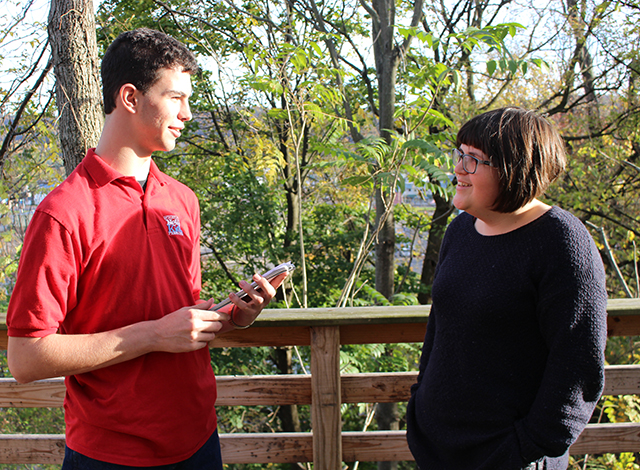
(162, 112)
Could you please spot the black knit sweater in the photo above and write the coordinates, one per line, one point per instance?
(512, 362)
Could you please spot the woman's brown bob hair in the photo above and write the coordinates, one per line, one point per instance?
(524, 147)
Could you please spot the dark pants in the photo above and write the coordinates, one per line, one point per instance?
(208, 457)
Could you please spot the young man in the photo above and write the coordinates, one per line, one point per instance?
(108, 288)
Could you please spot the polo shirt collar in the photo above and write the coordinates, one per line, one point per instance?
(157, 174)
(103, 174)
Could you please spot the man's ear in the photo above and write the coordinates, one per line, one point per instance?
(128, 97)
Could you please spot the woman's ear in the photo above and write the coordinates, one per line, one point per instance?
(128, 97)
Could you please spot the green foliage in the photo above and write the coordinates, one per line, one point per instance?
(623, 461)
(622, 409)
(623, 350)
(333, 233)
(32, 421)
(29, 173)
(601, 188)
(239, 213)
(273, 106)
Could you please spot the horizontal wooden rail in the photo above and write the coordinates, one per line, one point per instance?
(32, 448)
(373, 446)
(260, 390)
(324, 330)
(365, 325)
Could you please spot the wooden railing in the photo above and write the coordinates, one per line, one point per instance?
(324, 330)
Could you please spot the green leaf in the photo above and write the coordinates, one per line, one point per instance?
(357, 180)
(491, 67)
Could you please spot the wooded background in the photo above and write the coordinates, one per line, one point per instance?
(313, 118)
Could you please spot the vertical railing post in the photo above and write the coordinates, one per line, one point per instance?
(325, 398)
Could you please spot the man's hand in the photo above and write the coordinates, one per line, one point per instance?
(185, 330)
(189, 328)
(247, 310)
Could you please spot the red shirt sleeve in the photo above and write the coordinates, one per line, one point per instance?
(46, 280)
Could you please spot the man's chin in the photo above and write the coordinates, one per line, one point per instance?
(167, 146)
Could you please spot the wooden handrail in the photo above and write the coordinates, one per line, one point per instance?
(264, 390)
(383, 325)
(325, 389)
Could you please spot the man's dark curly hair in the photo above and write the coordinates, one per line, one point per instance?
(136, 57)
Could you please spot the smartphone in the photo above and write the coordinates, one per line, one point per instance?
(272, 273)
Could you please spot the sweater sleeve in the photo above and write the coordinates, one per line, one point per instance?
(572, 317)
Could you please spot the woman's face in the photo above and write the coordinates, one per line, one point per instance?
(476, 193)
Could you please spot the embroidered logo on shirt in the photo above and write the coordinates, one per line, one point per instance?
(173, 225)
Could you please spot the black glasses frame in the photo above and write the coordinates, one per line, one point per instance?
(458, 155)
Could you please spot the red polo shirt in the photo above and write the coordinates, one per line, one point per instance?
(100, 254)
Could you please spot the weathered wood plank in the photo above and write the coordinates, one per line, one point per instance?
(622, 380)
(370, 315)
(299, 335)
(375, 446)
(381, 387)
(343, 316)
(266, 448)
(31, 448)
(381, 333)
(391, 445)
(297, 447)
(624, 317)
(264, 336)
(234, 390)
(258, 390)
(608, 438)
(292, 324)
(40, 394)
(326, 420)
(619, 325)
(623, 307)
(388, 387)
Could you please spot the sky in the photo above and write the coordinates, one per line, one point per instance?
(23, 35)
(20, 39)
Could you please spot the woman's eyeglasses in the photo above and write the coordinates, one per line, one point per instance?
(469, 162)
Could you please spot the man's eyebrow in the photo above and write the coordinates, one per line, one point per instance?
(177, 92)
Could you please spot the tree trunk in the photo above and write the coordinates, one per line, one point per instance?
(72, 34)
(385, 246)
(585, 61)
(432, 252)
(387, 416)
(387, 57)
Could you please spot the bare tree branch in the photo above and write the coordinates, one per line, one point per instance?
(8, 138)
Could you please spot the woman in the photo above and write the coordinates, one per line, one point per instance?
(513, 358)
